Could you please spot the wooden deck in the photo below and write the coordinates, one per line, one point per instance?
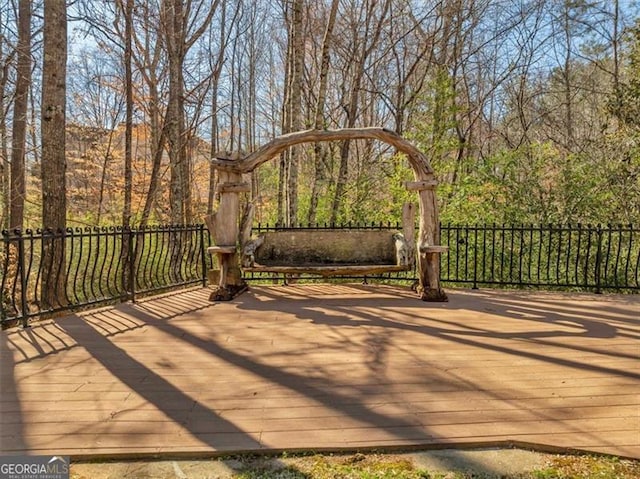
(326, 367)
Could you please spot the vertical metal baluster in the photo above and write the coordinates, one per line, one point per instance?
(112, 288)
(76, 270)
(179, 253)
(449, 255)
(69, 259)
(607, 258)
(587, 259)
(28, 268)
(38, 287)
(637, 275)
(559, 254)
(120, 266)
(203, 258)
(484, 252)
(598, 260)
(502, 251)
(186, 249)
(85, 237)
(102, 260)
(512, 232)
(14, 284)
(530, 256)
(131, 261)
(627, 283)
(578, 251)
(568, 253)
(94, 237)
(466, 252)
(23, 282)
(3, 276)
(173, 253)
(141, 259)
(157, 256)
(457, 255)
(521, 253)
(58, 238)
(539, 265)
(166, 258)
(493, 252)
(549, 250)
(475, 256)
(616, 281)
(176, 254)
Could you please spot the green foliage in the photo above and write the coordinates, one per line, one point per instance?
(538, 183)
(624, 101)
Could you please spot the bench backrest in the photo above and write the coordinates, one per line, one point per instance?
(318, 247)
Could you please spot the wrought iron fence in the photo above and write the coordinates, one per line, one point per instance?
(593, 258)
(47, 271)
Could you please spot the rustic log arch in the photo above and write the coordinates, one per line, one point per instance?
(233, 166)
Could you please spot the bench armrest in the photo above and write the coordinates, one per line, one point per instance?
(249, 251)
(404, 254)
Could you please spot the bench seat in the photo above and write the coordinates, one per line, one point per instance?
(329, 270)
(328, 252)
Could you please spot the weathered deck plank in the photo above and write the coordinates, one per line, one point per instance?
(326, 367)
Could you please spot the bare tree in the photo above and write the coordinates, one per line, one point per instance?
(365, 42)
(20, 105)
(319, 151)
(7, 55)
(128, 133)
(294, 114)
(53, 122)
(181, 30)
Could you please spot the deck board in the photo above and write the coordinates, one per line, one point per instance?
(326, 367)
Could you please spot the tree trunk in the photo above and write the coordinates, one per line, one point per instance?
(128, 132)
(157, 149)
(216, 70)
(54, 206)
(18, 141)
(179, 184)
(295, 116)
(319, 153)
(7, 62)
(352, 107)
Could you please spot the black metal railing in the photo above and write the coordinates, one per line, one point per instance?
(47, 271)
(593, 258)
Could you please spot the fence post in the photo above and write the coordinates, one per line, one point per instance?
(131, 263)
(23, 281)
(598, 259)
(203, 252)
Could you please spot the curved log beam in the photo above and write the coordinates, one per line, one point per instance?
(263, 154)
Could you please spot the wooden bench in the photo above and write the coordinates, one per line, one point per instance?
(328, 252)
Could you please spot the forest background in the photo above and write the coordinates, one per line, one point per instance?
(529, 110)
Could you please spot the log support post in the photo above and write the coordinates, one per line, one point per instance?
(429, 248)
(224, 224)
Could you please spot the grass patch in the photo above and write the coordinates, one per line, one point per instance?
(353, 466)
(382, 466)
(356, 466)
(588, 467)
